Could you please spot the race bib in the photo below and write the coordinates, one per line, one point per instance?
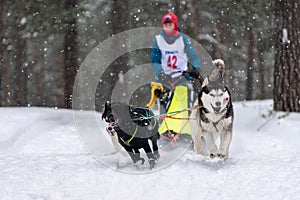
(173, 57)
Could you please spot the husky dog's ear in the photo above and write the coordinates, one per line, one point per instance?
(205, 90)
(205, 82)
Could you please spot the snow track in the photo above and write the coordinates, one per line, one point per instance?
(42, 158)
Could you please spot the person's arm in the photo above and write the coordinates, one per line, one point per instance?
(156, 59)
(192, 55)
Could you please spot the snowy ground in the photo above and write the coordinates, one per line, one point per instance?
(42, 157)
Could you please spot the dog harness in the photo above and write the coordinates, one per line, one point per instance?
(133, 135)
(139, 116)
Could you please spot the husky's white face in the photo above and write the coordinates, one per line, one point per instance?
(216, 99)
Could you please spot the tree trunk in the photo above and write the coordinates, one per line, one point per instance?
(249, 78)
(226, 39)
(70, 52)
(261, 73)
(37, 76)
(1, 50)
(20, 91)
(196, 19)
(8, 90)
(61, 82)
(20, 72)
(120, 23)
(287, 56)
(177, 10)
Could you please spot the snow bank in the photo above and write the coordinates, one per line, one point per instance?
(42, 157)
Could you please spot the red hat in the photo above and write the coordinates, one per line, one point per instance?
(170, 18)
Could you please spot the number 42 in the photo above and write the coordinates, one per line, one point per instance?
(172, 61)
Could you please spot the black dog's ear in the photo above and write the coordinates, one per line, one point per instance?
(104, 114)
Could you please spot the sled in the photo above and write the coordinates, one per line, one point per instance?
(175, 121)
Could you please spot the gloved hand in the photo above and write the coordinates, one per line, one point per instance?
(157, 92)
(195, 72)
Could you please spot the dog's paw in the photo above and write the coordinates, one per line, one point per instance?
(152, 163)
(224, 156)
(212, 155)
(221, 156)
(156, 155)
(140, 161)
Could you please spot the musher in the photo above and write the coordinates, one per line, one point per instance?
(170, 54)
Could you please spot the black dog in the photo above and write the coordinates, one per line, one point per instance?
(134, 127)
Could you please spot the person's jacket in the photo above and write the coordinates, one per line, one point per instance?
(193, 57)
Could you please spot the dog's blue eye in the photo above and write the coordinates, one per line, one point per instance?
(212, 95)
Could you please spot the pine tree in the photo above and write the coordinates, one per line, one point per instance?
(1, 50)
(287, 56)
(70, 51)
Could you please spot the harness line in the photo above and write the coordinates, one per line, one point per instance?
(171, 137)
(171, 114)
(161, 117)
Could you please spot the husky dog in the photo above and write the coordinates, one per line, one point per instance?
(134, 127)
(214, 118)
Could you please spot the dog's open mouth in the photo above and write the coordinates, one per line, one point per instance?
(216, 109)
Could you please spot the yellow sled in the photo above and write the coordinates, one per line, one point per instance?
(175, 120)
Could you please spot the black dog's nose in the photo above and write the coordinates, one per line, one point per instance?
(218, 103)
